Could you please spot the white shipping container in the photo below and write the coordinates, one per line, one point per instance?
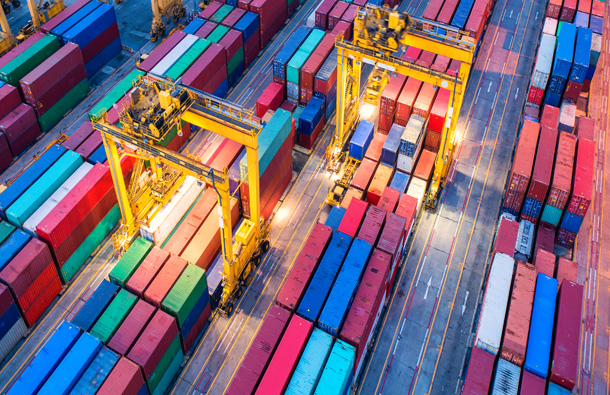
(32, 222)
(550, 26)
(417, 189)
(493, 312)
(567, 117)
(12, 337)
(544, 61)
(176, 53)
(168, 217)
(525, 238)
(596, 43)
(507, 378)
(293, 91)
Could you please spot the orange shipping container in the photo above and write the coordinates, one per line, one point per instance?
(545, 262)
(424, 101)
(380, 181)
(425, 165)
(351, 193)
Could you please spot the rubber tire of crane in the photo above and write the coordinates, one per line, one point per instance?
(7, 9)
(16, 4)
(256, 260)
(239, 292)
(265, 246)
(229, 309)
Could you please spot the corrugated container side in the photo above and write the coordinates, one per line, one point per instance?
(309, 369)
(582, 191)
(543, 167)
(364, 174)
(132, 327)
(124, 379)
(337, 374)
(532, 384)
(479, 372)
(506, 380)
(353, 217)
(506, 237)
(164, 280)
(96, 373)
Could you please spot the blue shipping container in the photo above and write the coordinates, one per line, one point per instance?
(29, 177)
(391, 146)
(47, 359)
(191, 319)
(95, 64)
(96, 373)
(556, 85)
(195, 25)
(99, 156)
(324, 277)
(552, 99)
(582, 52)
(214, 275)
(8, 319)
(290, 47)
(461, 14)
(400, 181)
(590, 72)
(309, 369)
(571, 222)
(11, 246)
(541, 326)
(74, 19)
(222, 90)
(596, 24)
(555, 389)
(361, 139)
(337, 375)
(247, 25)
(234, 77)
(71, 368)
(564, 53)
(311, 116)
(91, 26)
(344, 288)
(95, 305)
(334, 217)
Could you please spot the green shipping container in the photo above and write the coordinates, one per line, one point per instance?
(236, 60)
(551, 215)
(5, 231)
(65, 104)
(95, 238)
(183, 296)
(171, 371)
(155, 378)
(337, 373)
(187, 59)
(44, 187)
(115, 94)
(293, 70)
(217, 34)
(130, 261)
(222, 13)
(114, 315)
(29, 59)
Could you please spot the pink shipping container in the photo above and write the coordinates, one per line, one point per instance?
(322, 13)
(388, 102)
(432, 9)
(344, 29)
(523, 163)
(259, 354)
(411, 54)
(564, 365)
(426, 58)
(365, 311)
(124, 379)
(550, 116)
(566, 270)
(24, 269)
(350, 14)
(371, 226)
(582, 191)
(9, 99)
(286, 357)
(477, 18)
(554, 9)
(519, 313)
(506, 237)
(545, 262)
(364, 174)
(205, 30)
(480, 369)
(438, 113)
(545, 237)
(447, 11)
(20, 127)
(353, 217)
(154, 342)
(165, 280)
(392, 241)
(441, 63)
(132, 327)
(389, 200)
(270, 99)
(586, 128)
(210, 10)
(233, 17)
(375, 147)
(532, 384)
(147, 271)
(162, 50)
(78, 137)
(381, 179)
(407, 208)
(211, 63)
(543, 166)
(562, 173)
(568, 10)
(301, 273)
(271, 16)
(598, 8)
(89, 146)
(407, 98)
(424, 101)
(336, 13)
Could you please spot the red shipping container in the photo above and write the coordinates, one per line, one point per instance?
(344, 29)
(375, 147)
(545, 262)
(20, 128)
(389, 200)
(554, 8)
(212, 60)
(543, 167)
(336, 13)
(313, 64)
(350, 14)
(9, 99)
(205, 30)
(371, 226)
(232, 42)
(426, 58)
(545, 237)
(325, 86)
(585, 128)
(566, 270)
(532, 384)
(226, 157)
(301, 273)
(36, 287)
(163, 49)
(233, 17)
(565, 238)
(78, 137)
(104, 39)
(381, 179)
(244, 4)
(506, 237)
(23, 270)
(535, 96)
(6, 299)
(582, 191)
(568, 10)
(271, 203)
(364, 174)
(164, 280)
(259, 353)
(360, 3)
(365, 311)
(41, 303)
(477, 18)
(572, 92)
(124, 379)
(388, 101)
(270, 99)
(447, 12)
(154, 342)
(286, 357)
(411, 54)
(353, 217)
(271, 16)
(251, 49)
(564, 366)
(425, 165)
(210, 9)
(454, 66)
(479, 372)
(562, 174)
(432, 9)
(407, 98)
(407, 208)
(322, 13)
(523, 163)
(597, 9)
(392, 241)
(132, 327)
(424, 101)
(519, 313)
(438, 113)
(89, 146)
(147, 270)
(441, 63)
(550, 117)
(56, 92)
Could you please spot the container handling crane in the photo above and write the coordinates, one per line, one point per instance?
(163, 11)
(158, 107)
(40, 13)
(7, 39)
(378, 34)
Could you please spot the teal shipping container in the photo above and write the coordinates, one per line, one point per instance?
(309, 369)
(551, 215)
(337, 375)
(96, 373)
(115, 94)
(293, 69)
(185, 293)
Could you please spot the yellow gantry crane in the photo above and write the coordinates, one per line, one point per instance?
(378, 34)
(40, 13)
(159, 107)
(163, 11)
(7, 39)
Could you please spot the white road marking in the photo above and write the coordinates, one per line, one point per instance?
(428, 288)
(234, 333)
(465, 300)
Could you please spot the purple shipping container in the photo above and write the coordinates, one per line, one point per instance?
(79, 136)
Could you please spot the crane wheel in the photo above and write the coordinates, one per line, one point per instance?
(256, 260)
(265, 246)
(16, 4)
(7, 9)
(239, 292)
(229, 309)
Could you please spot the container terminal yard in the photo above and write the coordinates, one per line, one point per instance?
(304, 197)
